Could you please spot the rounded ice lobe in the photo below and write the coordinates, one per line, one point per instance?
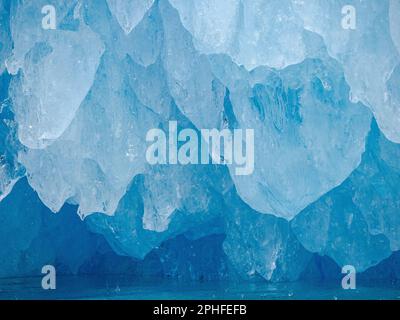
(191, 82)
(308, 136)
(271, 33)
(357, 222)
(55, 69)
(95, 159)
(5, 37)
(129, 12)
(253, 33)
(367, 53)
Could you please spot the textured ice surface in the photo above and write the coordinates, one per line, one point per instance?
(263, 245)
(253, 33)
(10, 169)
(270, 33)
(394, 18)
(357, 223)
(76, 104)
(300, 124)
(158, 206)
(65, 62)
(5, 37)
(31, 237)
(95, 159)
(129, 12)
(373, 44)
(190, 80)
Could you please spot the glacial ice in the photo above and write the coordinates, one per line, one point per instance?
(32, 237)
(64, 61)
(191, 82)
(98, 155)
(10, 169)
(262, 244)
(373, 44)
(394, 19)
(296, 122)
(76, 104)
(253, 33)
(5, 37)
(157, 207)
(357, 222)
(129, 12)
(270, 33)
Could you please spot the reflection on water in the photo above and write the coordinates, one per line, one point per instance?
(119, 287)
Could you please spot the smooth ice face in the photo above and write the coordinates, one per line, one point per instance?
(129, 12)
(65, 62)
(182, 191)
(372, 43)
(253, 33)
(308, 135)
(357, 222)
(95, 159)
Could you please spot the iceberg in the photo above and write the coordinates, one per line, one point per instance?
(77, 102)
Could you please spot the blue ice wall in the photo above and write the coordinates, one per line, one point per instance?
(77, 102)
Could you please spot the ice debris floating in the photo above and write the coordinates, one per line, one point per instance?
(323, 101)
